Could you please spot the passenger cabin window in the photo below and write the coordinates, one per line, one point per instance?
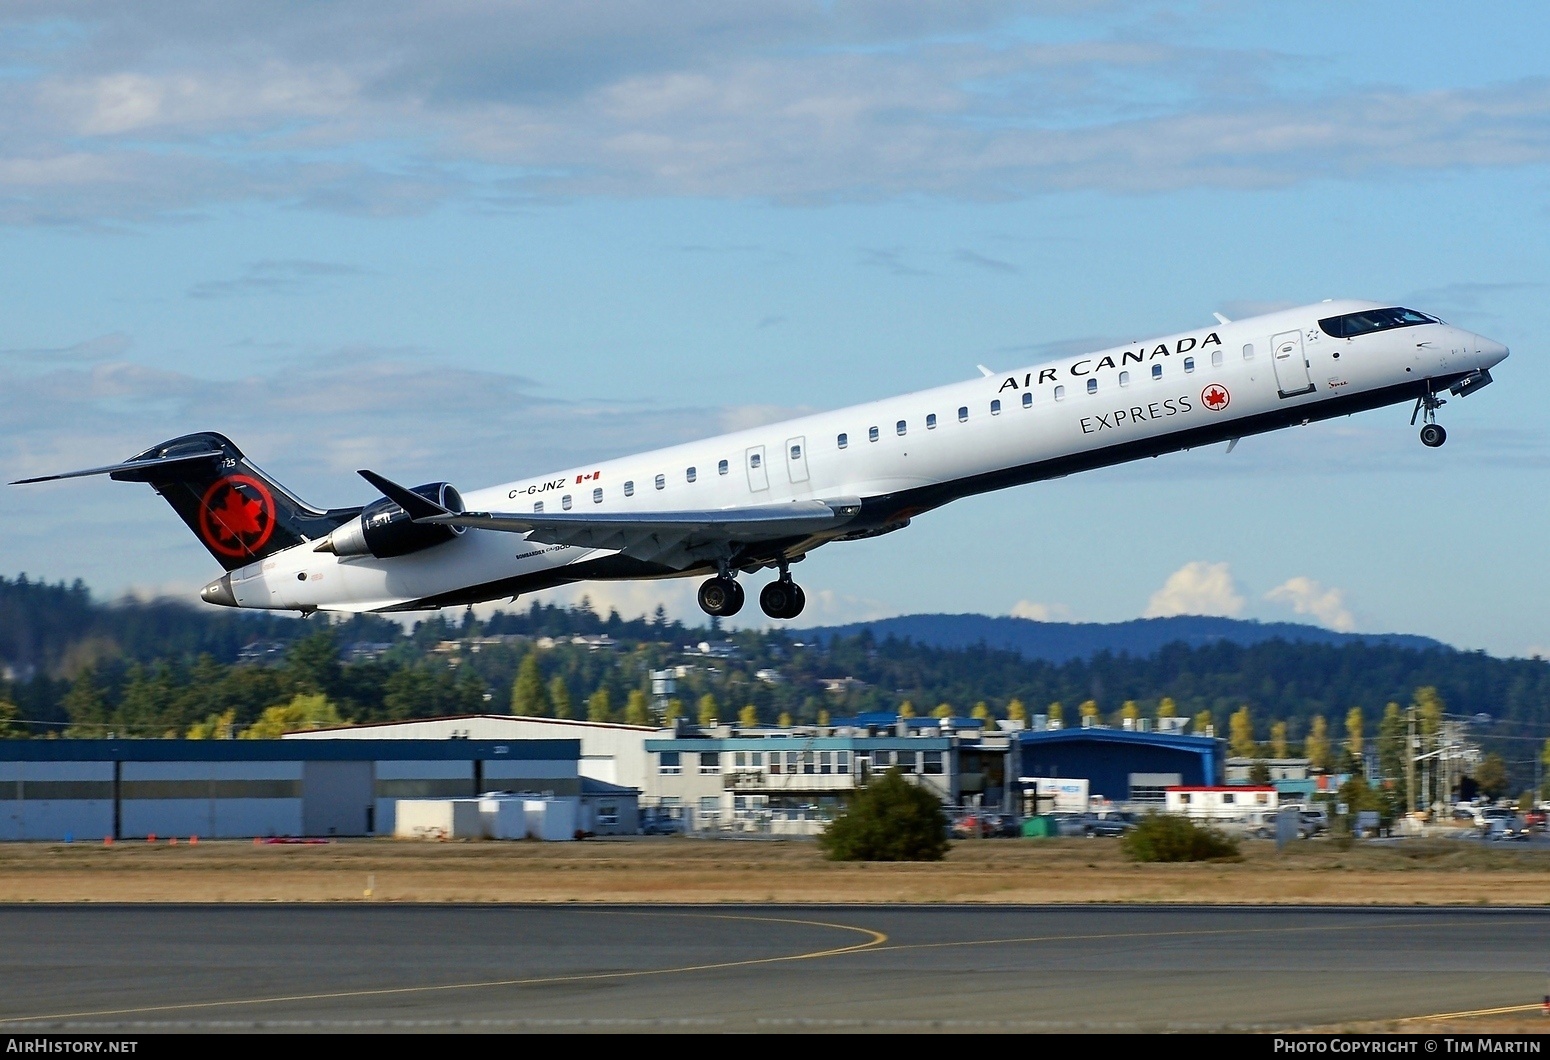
(900, 428)
(1124, 379)
(565, 502)
(1060, 393)
(1189, 364)
(755, 459)
(721, 468)
(661, 481)
(931, 422)
(1353, 324)
(963, 414)
(629, 488)
(1092, 386)
(1027, 399)
(843, 440)
(1156, 371)
(871, 434)
(597, 495)
(796, 452)
(538, 507)
(1248, 352)
(690, 474)
(1216, 358)
(995, 407)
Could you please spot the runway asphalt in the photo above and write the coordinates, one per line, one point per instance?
(731, 968)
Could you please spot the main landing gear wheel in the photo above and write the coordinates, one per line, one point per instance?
(1432, 435)
(782, 598)
(721, 597)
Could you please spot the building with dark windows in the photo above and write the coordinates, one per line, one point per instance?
(91, 790)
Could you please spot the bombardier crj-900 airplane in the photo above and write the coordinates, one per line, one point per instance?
(764, 498)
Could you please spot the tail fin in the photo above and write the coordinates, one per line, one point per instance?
(240, 514)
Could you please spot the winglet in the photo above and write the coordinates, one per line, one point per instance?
(418, 507)
(986, 372)
(1221, 319)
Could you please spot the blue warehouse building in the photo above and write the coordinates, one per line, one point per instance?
(1122, 765)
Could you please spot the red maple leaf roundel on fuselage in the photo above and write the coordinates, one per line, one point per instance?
(1215, 397)
(236, 516)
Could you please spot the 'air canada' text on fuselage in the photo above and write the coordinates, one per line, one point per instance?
(1087, 366)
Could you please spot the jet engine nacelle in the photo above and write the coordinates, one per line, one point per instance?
(384, 530)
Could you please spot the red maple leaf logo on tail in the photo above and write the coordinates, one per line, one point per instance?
(236, 516)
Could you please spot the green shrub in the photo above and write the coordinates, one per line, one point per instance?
(888, 820)
(1165, 837)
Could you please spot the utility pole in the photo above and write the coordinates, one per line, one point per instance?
(1413, 748)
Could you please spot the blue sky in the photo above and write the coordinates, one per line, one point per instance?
(477, 240)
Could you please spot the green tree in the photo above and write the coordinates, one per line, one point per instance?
(1491, 775)
(1129, 711)
(528, 697)
(559, 697)
(1278, 742)
(906, 709)
(1316, 747)
(981, 711)
(1392, 754)
(9, 730)
(1429, 709)
(1015, 711)
(1166, 708)
(1088, 708)
(637, 709)
(942, 711)
(1353, 737)
(221, 726)
(1259, 772)
(1241, 743)
(748, 717)
(304, 711)
(85, 706)
(312, 663)
(888, 820)
(672, 710)
(1203, 721)
(707, 709)
(784, 721)
(1167, 837)
(1544, 758)
(823, 717)
(598, 707)
(1056, 712)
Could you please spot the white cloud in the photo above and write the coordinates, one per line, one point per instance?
(1197, 588)
(1307, 597)
(1038, 612)
(150, 109)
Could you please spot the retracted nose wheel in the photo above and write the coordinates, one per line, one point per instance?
(782, 599)
(721, 597)
(1432, 435)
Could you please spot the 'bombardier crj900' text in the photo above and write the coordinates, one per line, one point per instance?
(763, 498)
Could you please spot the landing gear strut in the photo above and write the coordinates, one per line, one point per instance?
(721, 596)
(1432, 434)
(782, 598)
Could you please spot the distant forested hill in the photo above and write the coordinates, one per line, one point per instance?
(1063, 641)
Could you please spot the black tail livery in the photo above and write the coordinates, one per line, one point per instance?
(240, 514)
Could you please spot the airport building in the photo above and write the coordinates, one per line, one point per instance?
(1133, 766)
(222, 789)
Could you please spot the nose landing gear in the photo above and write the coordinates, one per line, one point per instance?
(1426, 406)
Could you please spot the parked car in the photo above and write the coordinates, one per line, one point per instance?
(1112, 824)
(661, 826)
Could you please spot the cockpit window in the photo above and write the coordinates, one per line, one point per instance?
(1373, 320)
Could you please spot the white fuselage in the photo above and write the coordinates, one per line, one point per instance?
(922, 449)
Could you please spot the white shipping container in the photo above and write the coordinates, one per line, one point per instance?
(504, 817)
(438, 819)
(551, 819)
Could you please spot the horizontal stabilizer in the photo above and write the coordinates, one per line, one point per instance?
(128, 466)
(420, 508)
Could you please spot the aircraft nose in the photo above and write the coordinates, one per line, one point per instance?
(1489, 351)
(219, 592)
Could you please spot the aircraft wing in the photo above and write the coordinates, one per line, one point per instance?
(673, 538)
